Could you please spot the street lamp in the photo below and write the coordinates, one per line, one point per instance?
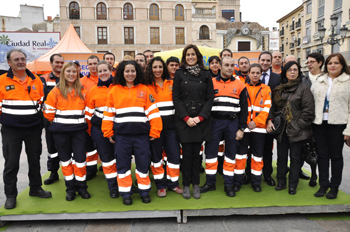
(332, 40)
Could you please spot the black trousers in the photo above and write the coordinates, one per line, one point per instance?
(329, 140)
(282, 161)
(267, 156)
(191, 163)
(53, 161)
(12, 139)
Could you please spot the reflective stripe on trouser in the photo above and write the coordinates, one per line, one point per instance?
(226, 129)
(139, 146)
(91, 155)
(171, 147)
(73, 168)
(256, 142)
(53, 161)
(106, 151)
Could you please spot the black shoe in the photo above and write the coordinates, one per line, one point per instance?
(256, 188)
(146, 199)
(10, 203)
(90, 175)
(281, 187)
(114, 193)
(85, 194)
(270, 181)
(321, 192)
(313, 181)
(236, 188)
(205, 188)
(127, 201)
(332, 194)
(229, 191)
(134, 189)
(41, 193)
(247, 179)
(303, 175)
(70, 196)
(292, 191)
(52, 178)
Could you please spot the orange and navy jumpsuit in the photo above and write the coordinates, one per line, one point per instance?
(167, 140)
(95, 105)
(241, 77)
(132, 117)
(69, 131)
(21, 119)
(229, 113)
(259, 104)
(53, 161)
(88, 82)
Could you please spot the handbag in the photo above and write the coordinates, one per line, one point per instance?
(278, 121)
(308, 152)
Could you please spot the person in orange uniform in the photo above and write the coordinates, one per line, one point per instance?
(229, 119)
(162, 91)
(88, 82)
(64, 108)
(95, 105)
(110, 58)
(243, 69)
(50, 80)
(259, 104)
(130, 120)
(21, 95)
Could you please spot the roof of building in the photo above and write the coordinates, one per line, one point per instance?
(299, 8)
(252, 25)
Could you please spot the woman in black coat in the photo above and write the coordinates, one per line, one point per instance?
(297, 102)
(193, 96)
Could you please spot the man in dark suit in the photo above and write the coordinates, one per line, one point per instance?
(273, 80)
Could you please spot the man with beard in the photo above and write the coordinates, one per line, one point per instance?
(243, 66)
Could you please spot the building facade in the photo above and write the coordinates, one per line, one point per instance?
(130, 27)
(308, 18)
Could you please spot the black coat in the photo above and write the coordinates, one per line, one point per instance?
(193, 96)
(274, 81)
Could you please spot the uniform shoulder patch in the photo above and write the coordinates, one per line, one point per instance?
(151, 98)
(9, 87)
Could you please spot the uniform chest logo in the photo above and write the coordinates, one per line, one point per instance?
(9, 87)
(33, 88)
(234, 91)
(261, 102)
(151, 98)
(141, 94)
(170, 88)
(216, 91)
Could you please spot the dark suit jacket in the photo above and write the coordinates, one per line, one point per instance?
(274, 81)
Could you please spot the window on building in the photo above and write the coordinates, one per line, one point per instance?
(320, 8)
(128, 12)
(180, 35)
(77, 30)
(309, 7)
(129, 53)
(155, 35)
(338, 4)
(128, 35)
(179, 13)
(101, 11)
(204, 32)
(102, 35)
(243, 46)
(74, 12)
(337, 28)
(308, 30)
(154, 12)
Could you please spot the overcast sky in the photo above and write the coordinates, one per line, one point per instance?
(265, 12)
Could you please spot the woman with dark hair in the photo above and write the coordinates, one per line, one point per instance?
(64, 108)
(294, 100)
(95, 105)
(130, 120)
(161, 87)
(214, 66)
(193, 96)
(331, 126)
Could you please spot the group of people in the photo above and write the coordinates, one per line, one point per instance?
(161, 111)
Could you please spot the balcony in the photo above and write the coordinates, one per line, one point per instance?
(282, 32)
(74, 14)
(291, 28)
(291, 46)
(298, 24)
(204, 13)
(298, 42)
(282, 48)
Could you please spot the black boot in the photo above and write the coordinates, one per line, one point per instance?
(52, 178)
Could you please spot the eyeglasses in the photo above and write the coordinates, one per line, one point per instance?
(292, 70)
(310, 62)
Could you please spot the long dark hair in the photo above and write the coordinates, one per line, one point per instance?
(198, 54)
(285, 69)
(119, 76)
(341, 60)
(150, 78)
